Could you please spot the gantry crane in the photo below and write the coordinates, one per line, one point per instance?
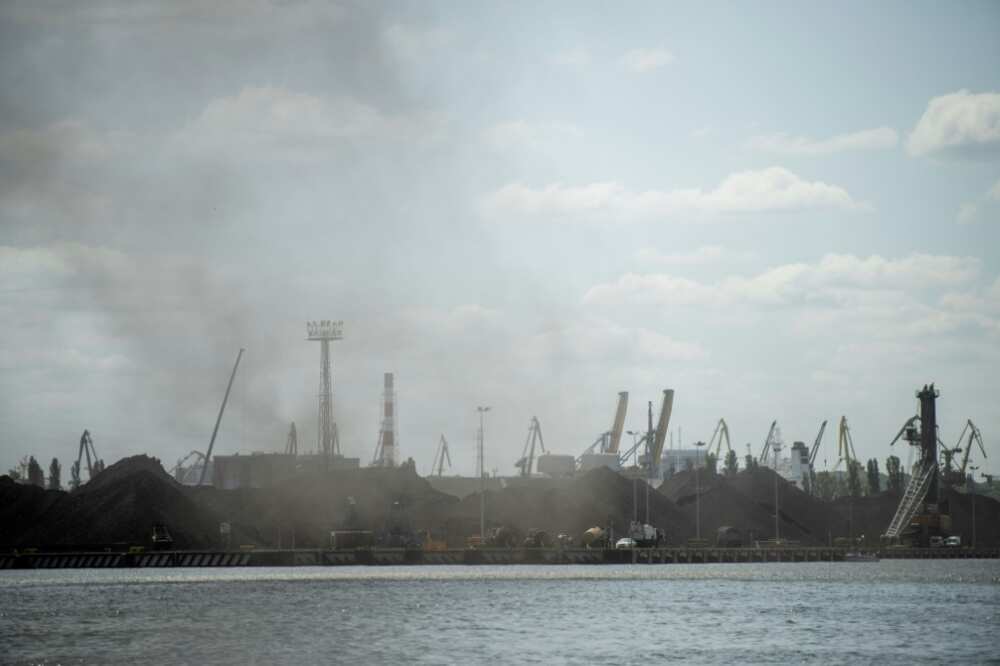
(527, 460)
(442, 454)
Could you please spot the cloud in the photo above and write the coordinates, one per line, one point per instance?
(277, 122)
(645, 60)
(523, 134)
(960, 124)
(706, 254)
(880, 138)
(587, 338)
(576, 57)
(971, 212)
(766, 190)
(835, 279)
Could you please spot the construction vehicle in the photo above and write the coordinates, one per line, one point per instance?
(537, 539)
(161, 537)
(184, 474)
(595, 537)
(644, 535)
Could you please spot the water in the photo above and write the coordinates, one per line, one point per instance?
(900, 611)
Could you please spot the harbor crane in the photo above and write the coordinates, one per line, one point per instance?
(610, 440)
(442, 455)
(721, 434)
(87, 448)
(813, 452)
(773, 434)
(527, 460)
(845, 445)
(218, 420)
(975, 435)
(182, 473)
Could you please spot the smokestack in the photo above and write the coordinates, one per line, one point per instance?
(388, 423)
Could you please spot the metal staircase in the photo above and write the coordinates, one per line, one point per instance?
(916, 490)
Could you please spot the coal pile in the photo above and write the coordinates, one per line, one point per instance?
(601, 497)
(746, 501)
(304, 510)
(119, 506)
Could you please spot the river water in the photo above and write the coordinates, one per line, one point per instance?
(898, 611)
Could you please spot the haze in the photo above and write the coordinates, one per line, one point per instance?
(780, 211)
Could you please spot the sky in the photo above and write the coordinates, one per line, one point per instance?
(779, 210)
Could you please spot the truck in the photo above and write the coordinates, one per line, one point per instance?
(645, 535)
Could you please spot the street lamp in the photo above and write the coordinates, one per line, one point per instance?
(973, 478)
(697, 491)
(482, 473)
(635, 473)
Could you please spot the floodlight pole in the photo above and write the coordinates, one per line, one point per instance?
(482, 473)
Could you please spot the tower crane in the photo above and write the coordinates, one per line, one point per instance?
(721, 434)
(440, 456)
(527, 459)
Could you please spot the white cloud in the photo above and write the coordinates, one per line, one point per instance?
(706, 254)
(520, 133)
(960, 124)
(645, 60)
(588, 338)
(836, 279)
(871, 139)
(967, 213)
(576, 57)
(974, 211)
(994, 192)
(771, 189)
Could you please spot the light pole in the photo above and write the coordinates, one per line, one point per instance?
(697, 491)
(973, 478)
(635, 475)
(482, 474)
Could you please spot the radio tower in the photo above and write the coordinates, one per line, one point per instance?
(324, 331)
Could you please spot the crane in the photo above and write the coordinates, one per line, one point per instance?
(218, 420)
(94, 465)
(768, 442)
(527, 459)
(618, 424)
(659, 435)
(180, 474)
(722, 433)
(815, 447)
(292, 443)
(437, 466)
(974, 436)
(610, 440)
(845, 444)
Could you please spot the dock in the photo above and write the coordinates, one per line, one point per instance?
(487, 556)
